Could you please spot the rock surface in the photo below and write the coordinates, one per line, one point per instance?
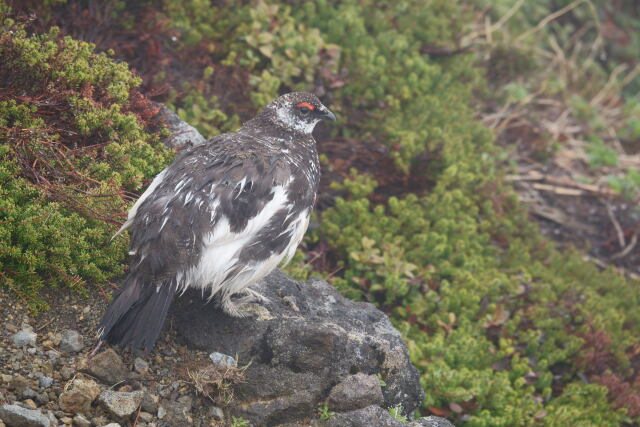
(183, 135)
(71, 341)
(25, 337)
(78, 398)
(300, 351)
(106, 366)
(356, 392)
(378, 417)
(14, 415)
(120, 403)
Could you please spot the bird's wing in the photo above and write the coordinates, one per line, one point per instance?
(210, 196)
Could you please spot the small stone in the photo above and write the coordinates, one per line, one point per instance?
(66, 420)
(216, 413)
(121, 404)
(99, 421)
(45, 382)
(222, 360)
(52, 354)
(71, 341)
(78, 398)
(24, 338)
(30, 403)
(42, 398)
(14, 415)
(28, 393)
(140, 366)
(355, 392)
(81, 421)
(145, 416)
(161, 412)
(291, 302)
(150, 403)
(113, 425)
(106, 366)
(18, 384)
(67, 372)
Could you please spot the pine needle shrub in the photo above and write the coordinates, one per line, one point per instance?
(74, 144)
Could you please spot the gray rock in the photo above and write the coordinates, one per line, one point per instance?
(145, 416)
(177, 413)
(365, 417)
(25, 337)
(355, 392)
(45, 382)
(216, 413)
(29, 393)
(149, 403)
(183, 135)
(297, 355)
(71, 341)
(113, 425)
(14, 415)
(140, 366)
(222, 360)
(81, 421)
(431, 422)
(106, 366)
(119, 403)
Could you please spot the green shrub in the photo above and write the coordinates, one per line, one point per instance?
(69, 152)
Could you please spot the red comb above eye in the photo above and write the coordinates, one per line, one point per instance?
(306, 104)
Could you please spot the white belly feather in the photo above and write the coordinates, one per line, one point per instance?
(222, 247)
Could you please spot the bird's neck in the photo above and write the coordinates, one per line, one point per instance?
(266, 128)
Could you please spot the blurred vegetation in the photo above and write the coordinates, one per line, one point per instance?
(506, 330)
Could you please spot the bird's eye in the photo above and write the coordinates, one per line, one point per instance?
(304, 110)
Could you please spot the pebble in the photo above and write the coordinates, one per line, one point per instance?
(71, 341)
(216, 413)
(121, 404)
(78, 397)
(150, 403)
(45, 382)
(66, 372)
(161, 412)
(81, 421)
(106, 366)
(145, 416)
(23, 338)
(140, 366)
(15, 415)
(222, 360)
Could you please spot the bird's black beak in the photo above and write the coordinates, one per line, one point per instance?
(327, 115)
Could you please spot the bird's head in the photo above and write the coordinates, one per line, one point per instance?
(298, 111)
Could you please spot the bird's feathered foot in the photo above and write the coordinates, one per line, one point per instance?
(234, 307)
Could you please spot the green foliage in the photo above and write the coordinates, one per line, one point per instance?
(324, 413)
(65, 135)
(405, 99)
(497, 320)
(239, 422)
(396, 413)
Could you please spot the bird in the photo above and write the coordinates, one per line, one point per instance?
(219, 218)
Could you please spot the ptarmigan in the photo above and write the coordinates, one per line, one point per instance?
(221, 217)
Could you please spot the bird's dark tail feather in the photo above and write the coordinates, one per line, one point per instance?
(136, 315)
